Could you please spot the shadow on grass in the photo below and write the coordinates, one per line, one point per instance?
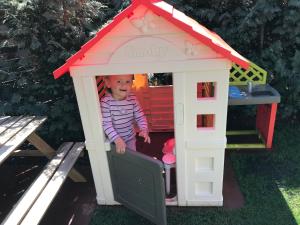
(16, 175)
(269, 181)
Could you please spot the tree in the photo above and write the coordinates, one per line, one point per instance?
(36, 38)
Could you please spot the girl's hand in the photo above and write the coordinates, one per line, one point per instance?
(120, 145)
(145, 135)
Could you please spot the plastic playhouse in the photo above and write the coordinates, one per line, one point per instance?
(151, 36)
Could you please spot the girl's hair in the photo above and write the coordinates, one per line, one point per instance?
(107, 89)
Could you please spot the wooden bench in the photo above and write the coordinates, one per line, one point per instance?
(38, 197)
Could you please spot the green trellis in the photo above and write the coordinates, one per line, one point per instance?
(240, 76)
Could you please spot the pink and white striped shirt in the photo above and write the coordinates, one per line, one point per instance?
(119, 117)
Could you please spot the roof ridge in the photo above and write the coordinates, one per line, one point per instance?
(176, 17)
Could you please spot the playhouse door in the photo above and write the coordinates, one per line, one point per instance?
(138, 184)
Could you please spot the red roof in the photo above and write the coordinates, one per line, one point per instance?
(172, 15)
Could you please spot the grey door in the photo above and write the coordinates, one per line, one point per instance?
(138, 184)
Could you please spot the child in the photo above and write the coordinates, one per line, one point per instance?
(120, 109)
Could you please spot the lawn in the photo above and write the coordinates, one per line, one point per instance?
(269, 181)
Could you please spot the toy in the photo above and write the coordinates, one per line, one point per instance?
(169, 146)
(150, 36)
(169, 160)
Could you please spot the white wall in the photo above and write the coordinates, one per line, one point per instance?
(155, 47)
(89, 108)
(204, 148)
(142, 26)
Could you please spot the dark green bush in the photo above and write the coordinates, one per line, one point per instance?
(37, 36)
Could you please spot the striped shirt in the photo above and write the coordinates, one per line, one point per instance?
(119, 117)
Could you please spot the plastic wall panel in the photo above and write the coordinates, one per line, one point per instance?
(122, 43)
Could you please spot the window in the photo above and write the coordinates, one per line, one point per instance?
(205, 121)
(206, 90)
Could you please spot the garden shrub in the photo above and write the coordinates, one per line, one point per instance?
(37, 36)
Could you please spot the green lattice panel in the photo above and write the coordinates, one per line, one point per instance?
(240, 76)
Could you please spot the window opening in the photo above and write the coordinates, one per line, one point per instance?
(205, 121)
(160, 79)
(155, 95)
(206, 90)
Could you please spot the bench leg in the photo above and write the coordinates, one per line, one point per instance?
(49, 152)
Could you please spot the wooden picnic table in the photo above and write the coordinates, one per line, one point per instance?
(30, 208)
(15, 130)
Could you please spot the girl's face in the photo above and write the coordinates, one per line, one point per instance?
(120, 85)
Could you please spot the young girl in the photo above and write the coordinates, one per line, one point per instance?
(120, 110)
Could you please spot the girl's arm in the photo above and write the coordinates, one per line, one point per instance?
(139, 115)
(108, 128)
(141, 121)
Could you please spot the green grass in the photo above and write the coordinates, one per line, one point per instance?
(269, 181)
